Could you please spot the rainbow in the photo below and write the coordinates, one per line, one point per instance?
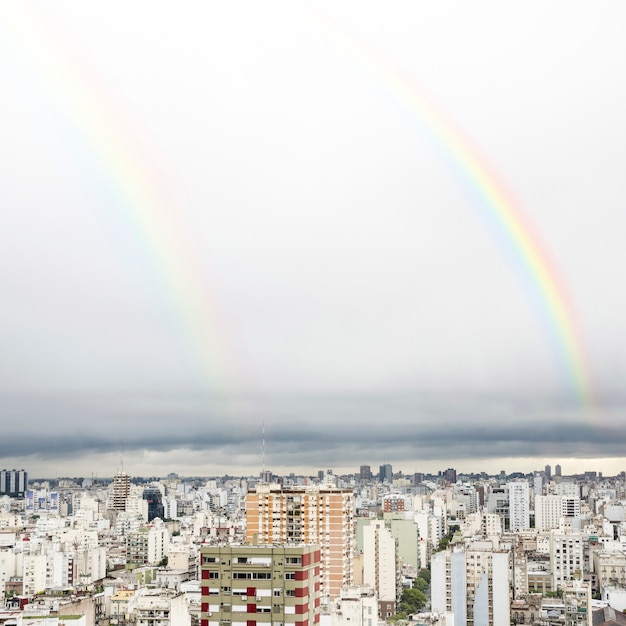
(496, 201)
(164, 253)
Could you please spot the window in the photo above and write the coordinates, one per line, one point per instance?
(214, 575)
(291, 593)
(210, 559)
(277, 592)
(293, 560)
(290, 576)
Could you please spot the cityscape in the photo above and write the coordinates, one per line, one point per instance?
(368, 547)
(371, 547)
(310, 313)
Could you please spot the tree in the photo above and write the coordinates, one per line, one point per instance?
(412, 601)
(425, 574)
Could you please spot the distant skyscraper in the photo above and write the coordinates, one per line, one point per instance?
(155, 502)
(121, 489)
(548, 472)
(557, 470)
(365, 473)
(449, 475)
(13, 483)
(385, 473)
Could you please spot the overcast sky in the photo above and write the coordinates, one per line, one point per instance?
(220, 214)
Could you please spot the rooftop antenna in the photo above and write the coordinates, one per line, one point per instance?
(122, 458)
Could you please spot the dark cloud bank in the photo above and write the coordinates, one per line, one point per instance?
(314, 430)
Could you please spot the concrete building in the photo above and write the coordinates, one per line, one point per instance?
(250, 585)
(393, 502)
(13, 483)
(355, 606)
(519, 506)
(160, 608)
(577, 601)
(380, 568)
(385, 473)
(406, 534)
(472, 582)
(147, 546)
(566, 557)
(551, 510)
(610, 567)
(120, 491)
(320, 515)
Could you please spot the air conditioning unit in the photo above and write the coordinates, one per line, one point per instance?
(258, 598)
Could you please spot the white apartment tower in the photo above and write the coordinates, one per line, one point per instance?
(472, 582)
(519, 506)
(318, 514)
(379, 565)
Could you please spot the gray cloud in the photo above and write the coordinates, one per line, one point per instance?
(310, 430)
(231, 217)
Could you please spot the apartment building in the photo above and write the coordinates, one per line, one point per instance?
(566, 557)
(472, 582)
(249, 585)
(519, 506)
(380, 567)
(120, 491)
(319, 515)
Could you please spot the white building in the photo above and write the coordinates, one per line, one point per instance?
(519, 506)
(566, 557)
(472, 582)
(355, 606)
(379, 561)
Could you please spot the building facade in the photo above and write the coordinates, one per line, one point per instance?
(13, 483)
(249, 585)
(319, 515)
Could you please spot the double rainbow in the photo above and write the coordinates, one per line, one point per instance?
(148, 207)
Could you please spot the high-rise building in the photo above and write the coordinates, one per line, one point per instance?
(449, 475)
(13, 483)
(473, 583)
(547, 470)
(317, 514)
(385, 473)
(557, 470)
(154, 498)
(250, 585)
(365, 472)
(121, 489)
(519, 506)
(380, 569)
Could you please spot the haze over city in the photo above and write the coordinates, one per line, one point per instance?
(387, 233)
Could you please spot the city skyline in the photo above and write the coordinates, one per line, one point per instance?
(389, 235)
